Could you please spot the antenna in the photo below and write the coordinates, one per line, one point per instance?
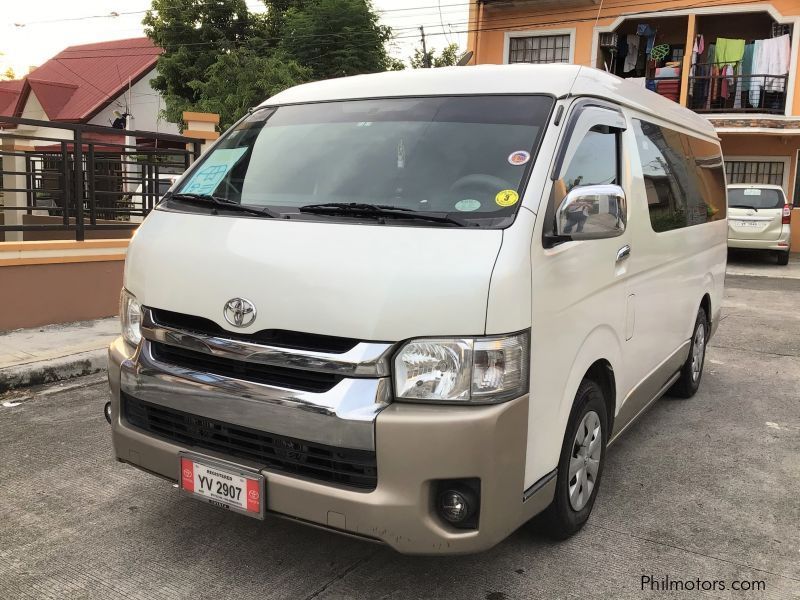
(464, 60)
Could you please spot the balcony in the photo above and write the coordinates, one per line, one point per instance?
(710, 85)
(710, 91)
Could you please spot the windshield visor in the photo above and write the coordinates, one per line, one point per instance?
(465, 156)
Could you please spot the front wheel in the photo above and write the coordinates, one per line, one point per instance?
(580, 465)
(689, 380)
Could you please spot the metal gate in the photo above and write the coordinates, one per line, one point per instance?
(67, 181)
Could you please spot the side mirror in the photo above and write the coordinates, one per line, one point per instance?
(592, 212)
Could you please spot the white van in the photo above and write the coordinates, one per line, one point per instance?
(417, 307)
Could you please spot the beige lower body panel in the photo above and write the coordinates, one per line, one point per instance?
(415, 445)
(650, 389)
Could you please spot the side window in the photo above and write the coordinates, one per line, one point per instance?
(683, 176)
(595, 161)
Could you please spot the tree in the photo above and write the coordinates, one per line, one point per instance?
(335, 38)
(219, 57)
(243, 78)
(193, 34)
(8, 75)
(448, 58)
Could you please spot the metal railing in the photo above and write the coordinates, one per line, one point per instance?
(70, 181)
(711, 91)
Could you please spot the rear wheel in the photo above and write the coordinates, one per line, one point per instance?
(783, 258)
(580, 465)
(692, 370)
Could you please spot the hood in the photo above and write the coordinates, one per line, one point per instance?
(370, 282)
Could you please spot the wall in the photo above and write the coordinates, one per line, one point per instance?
(144, 105)
(59, 281)
(764, 145)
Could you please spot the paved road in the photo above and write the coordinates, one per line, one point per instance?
(705, 488)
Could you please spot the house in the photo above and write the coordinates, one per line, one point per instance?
(92, 84)
(736, 63)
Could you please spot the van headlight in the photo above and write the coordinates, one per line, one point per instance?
(463, 370)
(130, 316)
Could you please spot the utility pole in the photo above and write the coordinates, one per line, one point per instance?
(426, 60)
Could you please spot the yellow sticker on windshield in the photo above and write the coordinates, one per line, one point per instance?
(506, 198)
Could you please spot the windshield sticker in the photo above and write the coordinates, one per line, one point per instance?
(467, 205)
(206, 179)
(506, 198)
(752, 192)
(518, 158)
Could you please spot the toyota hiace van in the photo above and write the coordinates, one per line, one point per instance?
(418, 307)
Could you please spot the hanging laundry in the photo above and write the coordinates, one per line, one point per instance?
(728, 51)
(633, 52)
(743, 81)
(697, 50)
(756, 81)
(644, 30)
(773, 59)
(747, 66)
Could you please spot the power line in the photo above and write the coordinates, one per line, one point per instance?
(258, 7)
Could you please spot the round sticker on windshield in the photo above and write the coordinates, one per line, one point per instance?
(506, 198)
(520, 157)
(467, 205)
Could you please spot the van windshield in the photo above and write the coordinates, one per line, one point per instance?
(465, 157)
(758, 198)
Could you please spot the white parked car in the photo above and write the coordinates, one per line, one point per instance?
(759, 218)
(417, 307)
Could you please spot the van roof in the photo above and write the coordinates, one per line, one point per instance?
(556, 79)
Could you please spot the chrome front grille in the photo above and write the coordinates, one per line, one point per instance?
(308, 381)
(348, 467)
(318, 397)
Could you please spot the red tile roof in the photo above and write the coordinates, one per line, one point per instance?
(79, 81)
(9, 94)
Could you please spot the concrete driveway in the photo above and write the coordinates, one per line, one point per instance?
(700, 490)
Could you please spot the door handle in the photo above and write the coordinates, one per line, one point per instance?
(623, 253)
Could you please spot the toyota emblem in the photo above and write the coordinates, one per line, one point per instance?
(239, 312)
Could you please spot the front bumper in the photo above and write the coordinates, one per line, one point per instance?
(415, 445)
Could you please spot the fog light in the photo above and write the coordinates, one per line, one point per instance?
(457, 502)
(107, 412)
(454, 506)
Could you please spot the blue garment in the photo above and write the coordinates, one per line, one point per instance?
(644, 30)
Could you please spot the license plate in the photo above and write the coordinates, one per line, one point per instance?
(750, 224)
(223, 485)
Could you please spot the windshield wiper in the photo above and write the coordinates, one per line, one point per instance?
(377, 211)
(744, 206)
(223, 203)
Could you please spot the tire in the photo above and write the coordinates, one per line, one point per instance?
(692, 370)
(569, 511)
(783, 258)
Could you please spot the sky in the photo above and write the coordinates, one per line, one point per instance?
(31, 31)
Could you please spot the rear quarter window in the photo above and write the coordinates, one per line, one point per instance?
(683, 176)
